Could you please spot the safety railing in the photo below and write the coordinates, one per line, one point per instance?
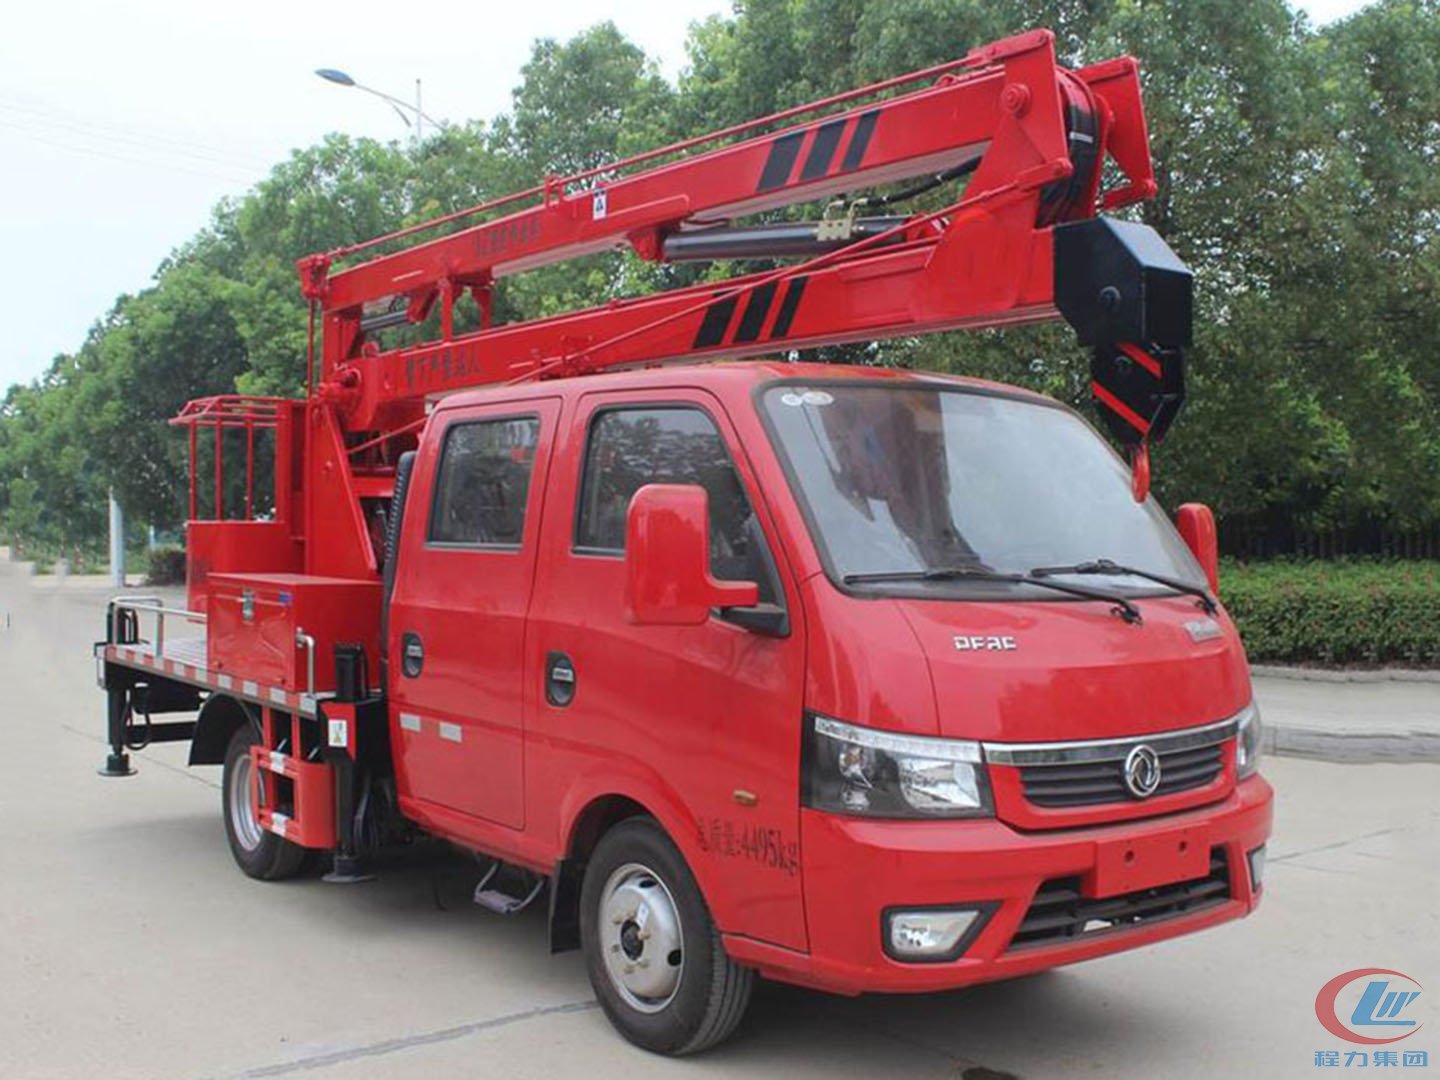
(153, 605)
(156, 606)
(307, 642)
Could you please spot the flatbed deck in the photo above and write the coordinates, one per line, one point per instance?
(184, 659)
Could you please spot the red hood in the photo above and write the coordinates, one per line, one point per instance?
(1031, 671)
(1076, 670)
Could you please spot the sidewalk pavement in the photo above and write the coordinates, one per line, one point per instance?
(1392, 720)
(1337, 716)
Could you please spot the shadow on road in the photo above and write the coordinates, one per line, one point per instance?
(427, 887)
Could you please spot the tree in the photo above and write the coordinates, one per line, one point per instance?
(1297, 177)
(585, 103)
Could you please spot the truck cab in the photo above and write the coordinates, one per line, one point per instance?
(805, 632)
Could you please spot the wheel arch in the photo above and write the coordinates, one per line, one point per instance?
(588, 813)
(219, 717)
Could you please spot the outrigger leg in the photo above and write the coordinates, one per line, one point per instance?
(117, 762)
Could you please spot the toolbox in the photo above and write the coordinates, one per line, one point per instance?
(282, 629)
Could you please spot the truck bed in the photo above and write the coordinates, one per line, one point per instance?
(183, 659)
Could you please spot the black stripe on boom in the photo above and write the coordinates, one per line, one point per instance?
(860, 141)
(788, 305)
(783, 152)
(713, 326)
(822, 150)
(755, 312)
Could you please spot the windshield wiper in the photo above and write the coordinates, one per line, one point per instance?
(1123, 607)
(1106, 566)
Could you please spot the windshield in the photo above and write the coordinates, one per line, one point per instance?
(906, 478)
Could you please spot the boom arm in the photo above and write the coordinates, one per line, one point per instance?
(1023, 244)
(1033, 133)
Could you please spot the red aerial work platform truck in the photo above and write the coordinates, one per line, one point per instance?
(852, 677)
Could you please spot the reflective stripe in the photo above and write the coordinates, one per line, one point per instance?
(409, 721)
(450, 731)
(307, 704)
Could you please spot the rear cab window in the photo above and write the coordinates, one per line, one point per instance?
(483, 483)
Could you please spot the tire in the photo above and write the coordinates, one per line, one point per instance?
(258, 852)
(674, 990)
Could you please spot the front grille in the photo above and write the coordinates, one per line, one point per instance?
(1086, 783)
(1059, 912)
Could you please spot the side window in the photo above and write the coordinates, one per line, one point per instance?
(484, 482)
(629, 448)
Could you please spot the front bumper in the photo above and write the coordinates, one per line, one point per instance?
(855, 869)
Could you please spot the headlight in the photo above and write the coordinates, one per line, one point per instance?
(1247, 741)
(869, 773)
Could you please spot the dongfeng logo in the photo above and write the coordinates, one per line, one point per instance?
(1375, 1003)
(1142, 771)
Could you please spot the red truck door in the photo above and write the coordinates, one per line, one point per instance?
(457, 615)
(708, 714)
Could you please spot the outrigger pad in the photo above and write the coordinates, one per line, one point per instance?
(1139, 391)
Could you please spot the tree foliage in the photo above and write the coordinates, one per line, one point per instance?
(1299, 174)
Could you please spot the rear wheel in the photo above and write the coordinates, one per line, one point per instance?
(257, 851)
(652, 952)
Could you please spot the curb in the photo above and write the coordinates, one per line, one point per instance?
(84, 582)
(1341, 675)
(1351, 747)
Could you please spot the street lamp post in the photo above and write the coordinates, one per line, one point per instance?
(403, 109)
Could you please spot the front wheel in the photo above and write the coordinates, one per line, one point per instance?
(257, 851)
(652, 952)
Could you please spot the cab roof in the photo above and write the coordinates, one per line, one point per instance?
(728, 377)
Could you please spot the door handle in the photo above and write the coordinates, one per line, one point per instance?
(559, 679)
(412, 655)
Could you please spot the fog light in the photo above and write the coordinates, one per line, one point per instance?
(932, 935)
(1257, 867)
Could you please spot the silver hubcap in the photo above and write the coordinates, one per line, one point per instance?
(640, 937)
(242, 815)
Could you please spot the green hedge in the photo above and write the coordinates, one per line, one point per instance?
(1369, 613)
(166, 566)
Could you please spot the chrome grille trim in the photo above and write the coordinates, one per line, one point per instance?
(1069, 753)
(1091, 783)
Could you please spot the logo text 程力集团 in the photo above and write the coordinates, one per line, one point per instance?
(1370, 1008)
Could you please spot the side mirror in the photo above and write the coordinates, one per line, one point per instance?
(1196, 524)
(667, 559)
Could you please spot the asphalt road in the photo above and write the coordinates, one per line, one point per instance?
(130, 945)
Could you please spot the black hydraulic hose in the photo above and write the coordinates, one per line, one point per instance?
(965, 168)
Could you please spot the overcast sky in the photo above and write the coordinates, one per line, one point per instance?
(122, 124)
